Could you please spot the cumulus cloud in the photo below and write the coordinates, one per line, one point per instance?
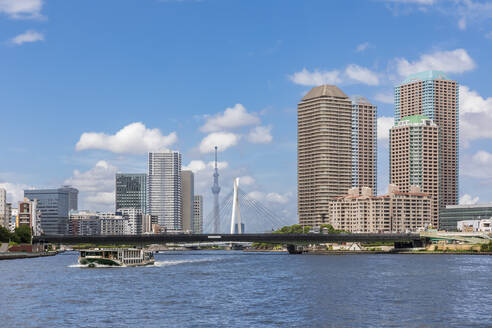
(260, 134)
(361, 74)
(199, 165)
(21, 9)
(316, 77)
(468, 200)
(362, 47)
(272, 197)
(231, 118)
(27, 37)
(475, 115)
(350, 75)
(222, 140)
(96, 186)
(246, 180)
(15, 192)
(384, 125)
(385, 98)
(478, 166)
(134, 138)
(453, 61)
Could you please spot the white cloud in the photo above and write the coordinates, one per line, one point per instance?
(475, 115)
(21, 9)
(198, 165)
(453, 61)
(468, 200)
(478, 166)
(134, 138)
(246, 180)
(361, 74)
(15, 192)
(96, 186)
(260, 134)
(316, 77)
(384, 125)
(272, 197)
(462, 23)
(352, 74)
(222, 140)
(234, 117)
(385, 98)
(483, 157)
(26, 37)
(362, 47)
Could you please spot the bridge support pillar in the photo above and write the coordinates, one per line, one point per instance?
(295, 249)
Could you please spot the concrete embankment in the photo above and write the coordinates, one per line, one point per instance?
(23, 255)
(393, 252)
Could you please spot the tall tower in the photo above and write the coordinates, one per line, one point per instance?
(324, 152)
(216, 191)
(433, 94)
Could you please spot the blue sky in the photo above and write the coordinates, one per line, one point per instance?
(81, 81)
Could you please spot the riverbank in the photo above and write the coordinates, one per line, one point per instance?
(24, 255)
(394, 252)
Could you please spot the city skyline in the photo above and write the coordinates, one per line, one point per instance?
(251, 111)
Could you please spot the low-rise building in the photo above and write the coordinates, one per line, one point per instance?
(114, 224)
(452, 214)
(361, 212)
(28, 214)
(135, 219)
(84, 223)
(484, 225)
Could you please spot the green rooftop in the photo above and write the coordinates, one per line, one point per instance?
(414, 118)
(426, 76)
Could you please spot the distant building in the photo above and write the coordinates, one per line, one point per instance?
(149, 223)
(361, 212)
(187, 199)
(198, 214)
(3, 208)
(73, 197)
(434, 95)
(364, 143)
(114, 224)
(29, 215)
(131, 191)
(164, 187)
(414, 157)
(449, 216)
(484, 225)
(13, 220)
(84, 223)
(54, 205)
(135, 218)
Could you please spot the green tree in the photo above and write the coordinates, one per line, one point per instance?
(23, 234)
(5, 235)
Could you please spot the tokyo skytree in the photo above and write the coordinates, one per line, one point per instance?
(216, 191)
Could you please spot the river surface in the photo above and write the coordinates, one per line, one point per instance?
(240, 289)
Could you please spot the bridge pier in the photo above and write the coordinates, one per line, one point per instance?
(295, 249)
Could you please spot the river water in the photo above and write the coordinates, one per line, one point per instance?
(241, 289)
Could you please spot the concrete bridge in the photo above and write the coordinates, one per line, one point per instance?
(400, 240)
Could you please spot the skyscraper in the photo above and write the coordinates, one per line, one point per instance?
(187, 199)
(364, 143)
(198, 214)
(324, 151)
(4, 219)
(414, 158)
(131, 191)
(73, 197)
(434, 95)
(54, 207)
(164, 188)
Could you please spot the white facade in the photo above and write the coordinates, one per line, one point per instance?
(164, 189)
(484, 225)
(135, 219)
(112, 224)
(4, 217)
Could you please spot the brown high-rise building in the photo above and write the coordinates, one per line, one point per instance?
(336, 149)
(414, 158)
(364, 143)
(435, 96)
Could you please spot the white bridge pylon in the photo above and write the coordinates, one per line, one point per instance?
(236, 213)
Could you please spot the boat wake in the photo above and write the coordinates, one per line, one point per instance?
(177, 262)
(95, 266)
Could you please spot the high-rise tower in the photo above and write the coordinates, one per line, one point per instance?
(216, 191)
(433, 94)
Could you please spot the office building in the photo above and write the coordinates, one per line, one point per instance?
(198, 214)
(164, 189)
(3, 209)
(84, 223)
(149, 224)
(324, 151)
(187, 199)
(434, 95)
(135, 218)
(114, 224)
(131, 191)
(73, 197)
(361, 212)
(364, 143)
(414, 158)
(54, 207)
(452, 214)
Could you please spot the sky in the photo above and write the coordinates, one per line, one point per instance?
(87, 88)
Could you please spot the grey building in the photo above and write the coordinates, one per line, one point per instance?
(73, 197)
(164, 187)
(53, 205)
(187, 199)
(198, 214)
(84, 223)
(449, 216)
(135, 218)
(131, 191)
